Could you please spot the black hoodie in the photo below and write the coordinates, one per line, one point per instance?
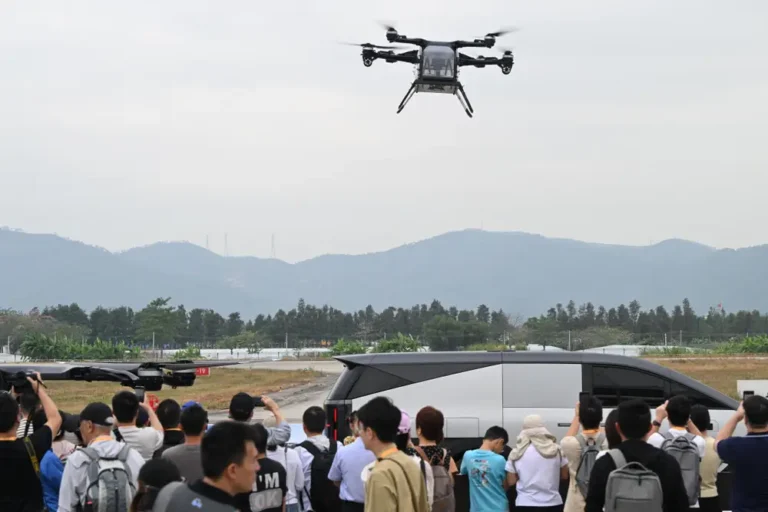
(663, 464)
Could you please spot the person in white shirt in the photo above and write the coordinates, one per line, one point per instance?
(678, 411)
(146, 441)
(292, 464)
(313, 421)
(537, 465)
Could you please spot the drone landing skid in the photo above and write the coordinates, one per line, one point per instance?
(464, 100)
(459, 92)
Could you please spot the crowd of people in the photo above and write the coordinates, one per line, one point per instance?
(127, 457)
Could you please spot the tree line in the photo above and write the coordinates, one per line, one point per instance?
(440, 327)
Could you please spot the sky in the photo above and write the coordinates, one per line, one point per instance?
(128, 123)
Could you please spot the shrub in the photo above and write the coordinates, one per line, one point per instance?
(486, 347)
(347, 347)
(400, 343)
(748, 345)
(188, 353)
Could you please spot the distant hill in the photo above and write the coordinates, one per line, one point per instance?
(519, 272)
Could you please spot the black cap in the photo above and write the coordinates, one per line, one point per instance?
(98, 413)
(241, 402)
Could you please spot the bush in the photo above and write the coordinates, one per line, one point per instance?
(39, 347)
(668, 351)
(399, 343)
(347, 347)
(487, 347)
(748, 345)
(188, 353)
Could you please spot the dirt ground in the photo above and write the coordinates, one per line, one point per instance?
(214, 391)
(719, 373)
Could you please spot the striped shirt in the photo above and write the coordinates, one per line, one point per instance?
(23, 427)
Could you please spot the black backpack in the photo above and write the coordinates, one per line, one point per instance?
(323, 494)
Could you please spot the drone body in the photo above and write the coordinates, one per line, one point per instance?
(437, 63)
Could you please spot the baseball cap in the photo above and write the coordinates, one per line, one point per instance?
(241, 402)
(99, 414)
(190, 403)
(405, 423)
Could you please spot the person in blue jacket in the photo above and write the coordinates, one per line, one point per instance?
(51, 468)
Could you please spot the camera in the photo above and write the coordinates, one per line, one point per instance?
(17, 381)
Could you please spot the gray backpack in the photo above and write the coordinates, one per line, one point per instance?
(632, 487)
(443, 497)
(590, 447)
(178, 496)
(109, 485)
(686, 453)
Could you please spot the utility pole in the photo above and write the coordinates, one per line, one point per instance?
(286, 340)
(153, 343)
(569, 341)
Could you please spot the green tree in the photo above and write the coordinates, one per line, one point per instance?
(182, 329)
(443, 333)
(234, 324)
(196, 325)
(483, 314)
(69, 314)
(158, 319)
(214, 324)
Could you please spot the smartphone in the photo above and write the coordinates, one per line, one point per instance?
(584, 397)
(258, 402)
(747, 394)
(139, 393)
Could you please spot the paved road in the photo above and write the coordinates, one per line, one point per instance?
(292, 401)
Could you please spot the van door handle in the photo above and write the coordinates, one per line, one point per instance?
(563, 424)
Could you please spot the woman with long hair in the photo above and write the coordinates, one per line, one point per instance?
(154, 475)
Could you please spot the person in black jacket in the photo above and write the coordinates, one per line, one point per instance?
(634, 425)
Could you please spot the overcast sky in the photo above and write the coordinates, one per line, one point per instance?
(127, 123)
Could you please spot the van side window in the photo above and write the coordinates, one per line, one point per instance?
(614, 384)
(696, 396)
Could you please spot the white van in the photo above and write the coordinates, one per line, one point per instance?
(477, 390)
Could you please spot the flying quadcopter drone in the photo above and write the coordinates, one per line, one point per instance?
(438, 62)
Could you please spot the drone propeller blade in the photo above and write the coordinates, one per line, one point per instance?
(502, 32)
(388, 26)
(373, 46)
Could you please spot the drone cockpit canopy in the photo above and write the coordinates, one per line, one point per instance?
(439, 62)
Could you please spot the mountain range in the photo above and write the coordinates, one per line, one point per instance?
(522, 273)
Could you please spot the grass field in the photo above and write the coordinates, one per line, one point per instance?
(720, 373)
(214, 391)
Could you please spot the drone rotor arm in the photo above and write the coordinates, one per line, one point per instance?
(411, 57)
(477, 43)
(407, 40)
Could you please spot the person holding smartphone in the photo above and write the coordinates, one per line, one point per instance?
(587, 418)
(747, 456)
(146, 441)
